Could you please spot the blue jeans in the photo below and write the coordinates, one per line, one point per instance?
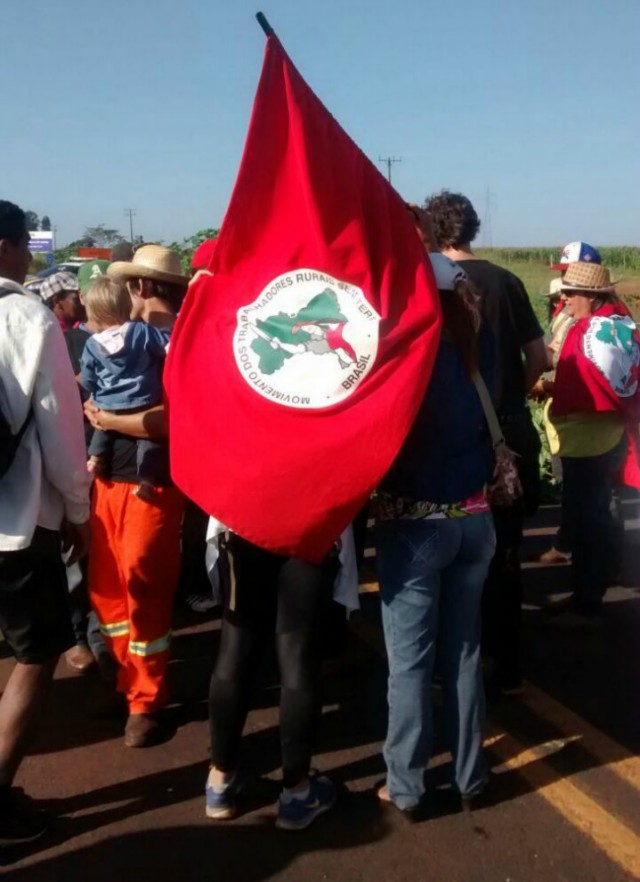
(431, 577)
(86, 627)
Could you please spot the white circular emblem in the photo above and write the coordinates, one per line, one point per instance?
(609, 343)
(307, 341)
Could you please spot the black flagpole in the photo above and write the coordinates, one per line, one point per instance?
(264, 24)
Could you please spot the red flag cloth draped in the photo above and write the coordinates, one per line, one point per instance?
(296, 370)
(598, 371)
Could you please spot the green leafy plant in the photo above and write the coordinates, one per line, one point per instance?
(187, 246)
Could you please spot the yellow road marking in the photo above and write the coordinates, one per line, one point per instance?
(369, 587)
(532, 754)
(601, 747)
(612, 836)
(608, 752)
(540, 531)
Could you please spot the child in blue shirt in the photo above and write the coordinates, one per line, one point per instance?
(122, 369)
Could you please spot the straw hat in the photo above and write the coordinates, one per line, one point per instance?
(589, 277)
(151, 262)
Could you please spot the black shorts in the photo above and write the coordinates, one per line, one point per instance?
(34, 603)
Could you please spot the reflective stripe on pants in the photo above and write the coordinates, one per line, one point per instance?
(133, 575)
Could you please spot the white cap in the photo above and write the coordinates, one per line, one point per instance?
(555, 287)
(577, 252)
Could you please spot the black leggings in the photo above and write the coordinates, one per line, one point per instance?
(269, 593)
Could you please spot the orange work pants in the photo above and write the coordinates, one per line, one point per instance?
(133, 574)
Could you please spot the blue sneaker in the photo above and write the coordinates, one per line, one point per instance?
(222, 804)
(296, 814)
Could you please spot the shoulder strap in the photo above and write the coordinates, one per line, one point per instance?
(9, 443)
(489, 411)
(17, 438)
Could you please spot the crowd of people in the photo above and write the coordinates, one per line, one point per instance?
(94, 534)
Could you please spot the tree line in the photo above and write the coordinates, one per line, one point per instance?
(626, 257)
(103, 237)
(36, 223)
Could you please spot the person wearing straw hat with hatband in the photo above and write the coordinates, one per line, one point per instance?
(135, 558)
(559, 323)
(596, 402)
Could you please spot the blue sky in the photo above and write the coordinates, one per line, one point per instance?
(145, 104)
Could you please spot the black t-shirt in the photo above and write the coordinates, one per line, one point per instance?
(76, 338)
(507, 310)
(123, 467)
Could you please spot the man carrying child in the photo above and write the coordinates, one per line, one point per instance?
(122, 369)
(135, 559)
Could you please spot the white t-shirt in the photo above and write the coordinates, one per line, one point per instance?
(48, 479)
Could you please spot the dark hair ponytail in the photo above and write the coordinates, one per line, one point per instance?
(461, 321)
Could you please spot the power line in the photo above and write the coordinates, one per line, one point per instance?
(388, 161)
(130, 212)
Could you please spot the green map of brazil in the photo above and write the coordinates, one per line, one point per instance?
(321, 308)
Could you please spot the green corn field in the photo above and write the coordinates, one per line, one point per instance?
(624, 257)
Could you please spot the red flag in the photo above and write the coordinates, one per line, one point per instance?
(295, 372)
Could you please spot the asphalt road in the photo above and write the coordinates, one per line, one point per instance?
(565, 795)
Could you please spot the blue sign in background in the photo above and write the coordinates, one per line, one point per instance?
(40, 243)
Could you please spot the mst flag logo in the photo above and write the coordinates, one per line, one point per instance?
(610, 344)
(295, 371)
(307, 341)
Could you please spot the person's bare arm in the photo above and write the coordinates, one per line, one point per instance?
(550, 355)
(76, 539)
(146, 424)
(535, 361)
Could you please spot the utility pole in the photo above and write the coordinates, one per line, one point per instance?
(130, 212)
(487, 230)
(388, 161)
